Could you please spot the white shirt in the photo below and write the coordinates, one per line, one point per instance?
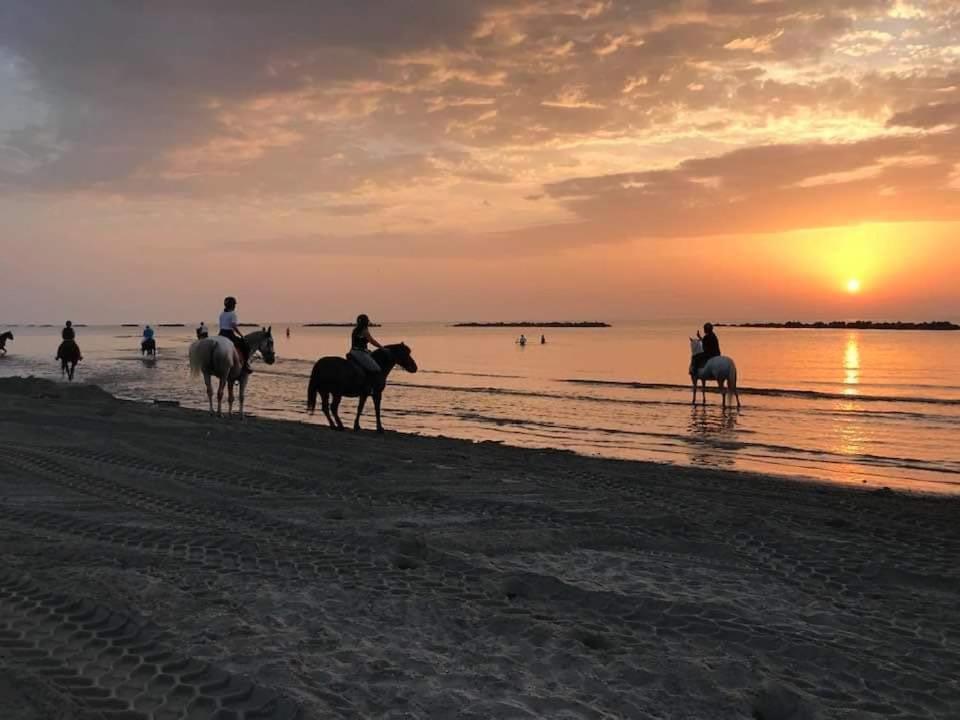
(228, 320)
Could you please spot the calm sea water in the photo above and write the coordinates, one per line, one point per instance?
(881, 408)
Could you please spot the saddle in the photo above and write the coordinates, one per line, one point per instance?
(67, 349)
(361, 374)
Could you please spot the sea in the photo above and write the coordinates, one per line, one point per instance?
(874, 408)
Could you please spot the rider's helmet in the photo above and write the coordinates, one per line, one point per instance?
(363, 320)
(229, 302)
(708, 327)
(69, 323)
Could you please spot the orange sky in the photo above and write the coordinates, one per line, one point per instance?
(573, 159)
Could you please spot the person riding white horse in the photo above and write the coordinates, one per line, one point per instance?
(218, 356)
(706, 363)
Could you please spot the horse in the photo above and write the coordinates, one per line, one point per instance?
(219, 356)
(3, 341)
(340, 377)
(722, 369)
(148, 347)
(69, 355)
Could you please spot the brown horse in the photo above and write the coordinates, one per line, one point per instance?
(339, 377)
(69, 355)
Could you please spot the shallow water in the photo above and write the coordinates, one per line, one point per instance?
(874, 407)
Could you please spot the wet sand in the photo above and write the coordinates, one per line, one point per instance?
(159, 563)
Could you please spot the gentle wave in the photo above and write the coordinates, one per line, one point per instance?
(720, 444)
(775, 392)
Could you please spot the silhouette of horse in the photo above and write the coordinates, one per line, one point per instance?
(148, 347)
(722, 369)
(218, 356)
(340, 377)
(69, 355)
(3, 341)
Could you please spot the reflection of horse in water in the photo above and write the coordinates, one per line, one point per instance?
(69, 355)
(340, 377)
(218, 356)
(722, 369)
(712, 437)
(3, 341)
(148, 347)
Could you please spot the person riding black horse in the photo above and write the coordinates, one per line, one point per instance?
(147, 342)
(360, 339)
(230, 328)
(68, 337)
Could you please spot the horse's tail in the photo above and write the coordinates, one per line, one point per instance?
(312, 392)
(196, 359)
(733, 376)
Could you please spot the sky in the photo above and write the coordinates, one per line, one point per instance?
(479, 159)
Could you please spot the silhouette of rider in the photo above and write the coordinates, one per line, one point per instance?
(711, 343)
(68, 333)
(360, 338)
(230, 328)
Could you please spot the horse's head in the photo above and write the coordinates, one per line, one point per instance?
(404, 357)
(263, 341)
(696, 353)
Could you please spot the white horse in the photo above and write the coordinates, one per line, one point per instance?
(218, 356)
(722, 369)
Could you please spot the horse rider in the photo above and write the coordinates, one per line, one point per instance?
(230, 328)
(360, 338)
(202, 331)
(711, 343)
(68, 334)
(147, 333)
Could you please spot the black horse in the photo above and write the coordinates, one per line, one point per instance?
(340, 377)
(3, 341)
(148, 347)
(69, 355)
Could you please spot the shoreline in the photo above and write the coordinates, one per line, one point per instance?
(356, 575)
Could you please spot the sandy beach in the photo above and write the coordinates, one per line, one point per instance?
(159, 563)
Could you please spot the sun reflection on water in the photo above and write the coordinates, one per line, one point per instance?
(851, 366)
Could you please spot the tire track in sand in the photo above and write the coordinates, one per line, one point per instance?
(109, 663)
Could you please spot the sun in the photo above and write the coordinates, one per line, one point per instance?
(853, 286)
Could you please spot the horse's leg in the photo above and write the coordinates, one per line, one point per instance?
(360, 404)
(229, 397)
(376, 406)
(336, 410)
(721, 383)
(206, 381)
(703, 390)
(243, 391)
(220, 396)
(325, 404)
(694, 390)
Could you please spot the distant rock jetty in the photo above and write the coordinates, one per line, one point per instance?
(533, 324)
(171, 325)
(335, 324)
(854, 325)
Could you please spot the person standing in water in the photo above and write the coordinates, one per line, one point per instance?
(543, 339)
(202, 331)
(230, 328)
(288, 332)
(360, 338)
